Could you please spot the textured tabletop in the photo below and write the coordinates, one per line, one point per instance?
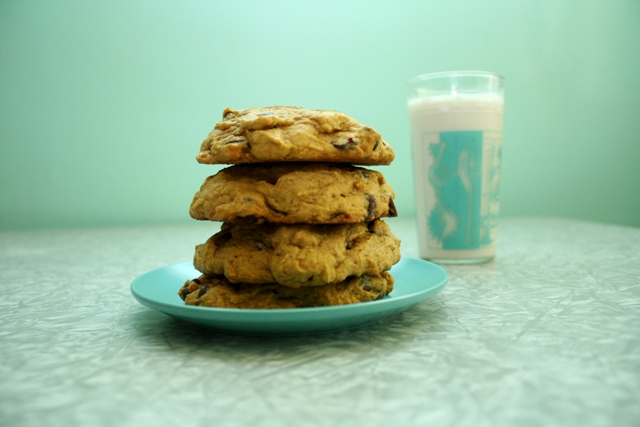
(546, 334)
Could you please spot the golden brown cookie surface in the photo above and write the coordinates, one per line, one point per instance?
(217, 291)
(290, 193)
(298, 255)
(277, 134)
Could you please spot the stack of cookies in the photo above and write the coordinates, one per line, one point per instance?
(301, 223)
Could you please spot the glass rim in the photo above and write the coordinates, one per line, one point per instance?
(462, 73)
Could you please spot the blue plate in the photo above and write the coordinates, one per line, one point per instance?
(415, 281)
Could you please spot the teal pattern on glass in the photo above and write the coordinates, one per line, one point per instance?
(456, 175)
(490, 218)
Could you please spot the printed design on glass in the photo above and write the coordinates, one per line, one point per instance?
(492, 187)
(456, 219)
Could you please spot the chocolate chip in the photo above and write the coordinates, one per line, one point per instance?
(393, 212)
(196, 281)
(184, 291)
(372, 207)
(376, 144)
(364, 282)
(346, 144)
(350, 244)
(236, 141)
(203, 290)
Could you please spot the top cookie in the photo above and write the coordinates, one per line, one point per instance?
(292, 134)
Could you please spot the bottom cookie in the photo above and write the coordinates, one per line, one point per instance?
(217, 291)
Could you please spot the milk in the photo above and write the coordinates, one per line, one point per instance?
(456, 142)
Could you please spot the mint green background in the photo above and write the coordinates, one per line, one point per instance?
(103, 105)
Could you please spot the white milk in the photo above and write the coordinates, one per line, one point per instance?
(457, 143)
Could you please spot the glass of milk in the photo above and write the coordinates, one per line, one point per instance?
(456, 132)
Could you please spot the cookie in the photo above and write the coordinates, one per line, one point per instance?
(217, 291)
(290, 193)
(276, 134)
(298, 255)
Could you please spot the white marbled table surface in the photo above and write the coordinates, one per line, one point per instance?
(546, 334)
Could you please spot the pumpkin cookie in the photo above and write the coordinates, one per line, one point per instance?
(217, 291)
(298, 255)
(277, 134)
(290, 193)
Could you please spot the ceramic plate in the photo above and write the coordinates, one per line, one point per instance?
(415, 281)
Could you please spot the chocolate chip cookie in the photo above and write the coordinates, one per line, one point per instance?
(290, 193)
(217, 291)
(277, 134)
(298, 255)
